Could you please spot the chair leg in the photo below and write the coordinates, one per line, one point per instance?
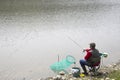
(93, 71)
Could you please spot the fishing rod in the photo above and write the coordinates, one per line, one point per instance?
(74, 41)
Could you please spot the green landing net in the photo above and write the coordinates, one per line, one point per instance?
(63, 64)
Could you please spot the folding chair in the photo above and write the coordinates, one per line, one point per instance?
(93, 69)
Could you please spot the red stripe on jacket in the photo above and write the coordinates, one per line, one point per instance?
(88, 55)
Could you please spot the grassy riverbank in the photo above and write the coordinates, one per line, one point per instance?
(115, 75)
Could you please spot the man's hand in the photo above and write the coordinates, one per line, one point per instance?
(84, 50)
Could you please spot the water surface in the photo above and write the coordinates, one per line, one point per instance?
(34, 33)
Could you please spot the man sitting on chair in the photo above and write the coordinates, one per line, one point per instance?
(92, 58)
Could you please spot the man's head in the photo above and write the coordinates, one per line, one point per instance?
(92, 45)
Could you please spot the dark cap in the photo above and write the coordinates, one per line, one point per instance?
(92, 45)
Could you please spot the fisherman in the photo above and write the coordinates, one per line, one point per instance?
(92, 58)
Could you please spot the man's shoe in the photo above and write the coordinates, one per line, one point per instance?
(85, 73)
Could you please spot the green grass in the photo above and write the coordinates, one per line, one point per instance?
(115, 75)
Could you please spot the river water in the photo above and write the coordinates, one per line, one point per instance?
(33, 33)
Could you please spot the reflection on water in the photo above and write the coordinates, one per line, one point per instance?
(31, 37)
